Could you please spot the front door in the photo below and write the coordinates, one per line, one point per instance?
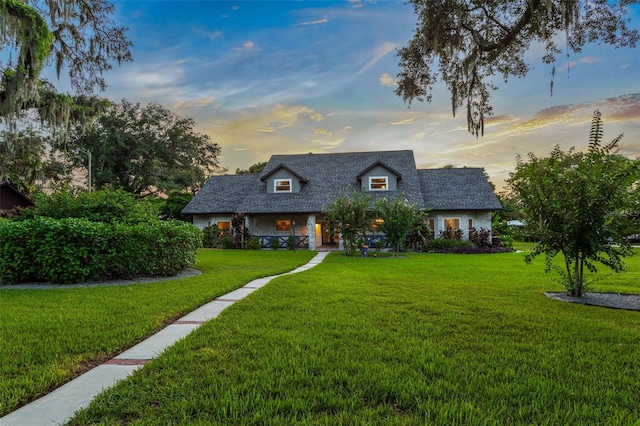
(329, 238)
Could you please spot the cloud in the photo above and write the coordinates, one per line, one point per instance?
(322, 132)
(316, 117)
(275, 119)
(621, 108)
(583, 60)
(248, 45)
(323, 20)
(590, 60)
(153, 79)
(387, 80)
(211, 35)
(253, 135)
(404, 122)
(380, 52)
(499, 120)
(196, 102)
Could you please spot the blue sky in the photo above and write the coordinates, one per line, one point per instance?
(286, 77)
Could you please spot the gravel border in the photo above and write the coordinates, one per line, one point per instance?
(189, 272)
(630, 302)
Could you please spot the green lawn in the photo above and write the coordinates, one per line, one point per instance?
(48, 336)
(422, 339)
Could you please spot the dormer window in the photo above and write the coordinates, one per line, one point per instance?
(378, 183)
(282, 185)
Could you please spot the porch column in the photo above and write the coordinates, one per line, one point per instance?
(311, 231)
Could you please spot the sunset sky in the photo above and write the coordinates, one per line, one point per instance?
(287, 77)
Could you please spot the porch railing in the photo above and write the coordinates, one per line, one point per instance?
(301, 241)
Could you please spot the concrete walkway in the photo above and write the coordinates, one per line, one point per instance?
(59, 406)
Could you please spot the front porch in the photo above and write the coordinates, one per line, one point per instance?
(286, 231)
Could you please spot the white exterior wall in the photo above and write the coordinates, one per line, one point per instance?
(202, 221)
(266, 225)
(480, 220)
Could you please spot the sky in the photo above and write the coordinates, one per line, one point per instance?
(293, 77)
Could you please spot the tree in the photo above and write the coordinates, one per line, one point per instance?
(173, 205)
(574, 202)
(144, 150)
(254, 168)
(24, 160)
(472, 41)
(77, 35)
(106, 205)
(397, 220)
(351, 216)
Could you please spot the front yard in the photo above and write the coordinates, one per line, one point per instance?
(48, 336)
(423, 339)
(441, 339)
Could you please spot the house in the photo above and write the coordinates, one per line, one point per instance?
(289, 195)
(11, 198)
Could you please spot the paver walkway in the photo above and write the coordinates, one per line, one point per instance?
(59, 406)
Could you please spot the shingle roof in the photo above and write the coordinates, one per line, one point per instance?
(264, 177)
(327, 175)
(379, 163)
(457, 189)
(222, 194)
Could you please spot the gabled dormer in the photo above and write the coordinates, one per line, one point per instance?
(379, 177)
(283, 180)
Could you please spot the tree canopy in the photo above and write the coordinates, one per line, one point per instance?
(78, 36)
(577, 203)
(254, 168)
(397, 219)
(466, 43)
(24, 160)
(144, 149)
(351, 216)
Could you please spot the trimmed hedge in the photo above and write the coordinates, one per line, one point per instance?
(73, 250)
(447, 245)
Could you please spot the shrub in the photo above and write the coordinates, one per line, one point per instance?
(106, 205)
(447, 245)
(73, 250)
(211, 236)
(481, 237)
(507, 241)
(253, 243)
(478, 250)
(227, 242)
(451, 234)
(274, 243)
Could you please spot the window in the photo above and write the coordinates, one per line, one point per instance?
(451, 224)
(378, 183)
(283, 225)
(224, 227)
(377, 223)
(282, 185)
